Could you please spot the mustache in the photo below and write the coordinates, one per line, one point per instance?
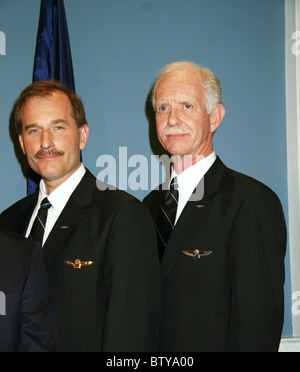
(174, 131)
(43, 153)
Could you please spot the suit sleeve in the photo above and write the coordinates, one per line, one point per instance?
(258, 244)
(132, 281)
(38, 328)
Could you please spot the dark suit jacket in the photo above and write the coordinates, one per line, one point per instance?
(27, 321)
(113, 304)
(232, 299)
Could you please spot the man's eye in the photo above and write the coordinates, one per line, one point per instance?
(187, 106)
(163, 108)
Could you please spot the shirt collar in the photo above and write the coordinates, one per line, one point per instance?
(190, 178)
(62, 193)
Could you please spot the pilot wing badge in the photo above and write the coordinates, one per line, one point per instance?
(78, 264)
(197, 254)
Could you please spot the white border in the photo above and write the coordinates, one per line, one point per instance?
(292, 72)
(290, 345)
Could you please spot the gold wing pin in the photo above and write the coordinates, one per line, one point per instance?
(77, 264)
(197, 254)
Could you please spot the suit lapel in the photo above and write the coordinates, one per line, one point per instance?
(192, 218)
(69, 218)
(22, 218)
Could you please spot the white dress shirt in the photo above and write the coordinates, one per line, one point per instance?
(189, 179)
(58, 199)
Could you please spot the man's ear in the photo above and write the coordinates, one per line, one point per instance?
(216, 117)
(21, 142)
(84, 136)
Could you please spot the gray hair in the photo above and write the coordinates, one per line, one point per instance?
(211, 83)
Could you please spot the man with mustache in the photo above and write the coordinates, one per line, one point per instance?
(222, 254)
(99, 246)
(44, 153)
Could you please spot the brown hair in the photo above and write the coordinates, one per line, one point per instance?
(45, 88)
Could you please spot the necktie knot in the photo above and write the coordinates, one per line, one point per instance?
(45, 204)
(174, 189)
(174, 184)
(38, 227)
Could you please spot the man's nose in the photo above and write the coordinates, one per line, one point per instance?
(173, 118)
(46, 139)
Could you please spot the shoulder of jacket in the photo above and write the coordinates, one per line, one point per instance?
(245, 185)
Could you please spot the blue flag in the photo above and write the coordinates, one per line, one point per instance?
(53, 58)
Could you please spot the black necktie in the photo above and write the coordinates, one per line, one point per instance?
(38, 227)
(165, 222)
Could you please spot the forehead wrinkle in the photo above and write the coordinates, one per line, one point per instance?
(178, 97)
